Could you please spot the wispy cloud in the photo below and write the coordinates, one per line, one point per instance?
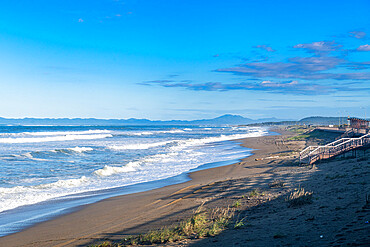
(319, 47)
(293, 75)
(357, 34)
(363, 48)
(308, 68)
(284, 87)
(358, 65)
(265, 47)
(156, 82)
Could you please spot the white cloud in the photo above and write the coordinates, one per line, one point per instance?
(364, 48)
(320, 46)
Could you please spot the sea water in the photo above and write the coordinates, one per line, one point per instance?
(46, 170)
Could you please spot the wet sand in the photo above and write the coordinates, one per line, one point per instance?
(269, 221)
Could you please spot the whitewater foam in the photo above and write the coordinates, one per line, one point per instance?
(110, 170)
(176, 153)
(25, 195)
(153, 132)
(139, 133)
(80, 149)
(30, 156)
(56, 133)
(140, 145)
(54, 138)
(193, 142)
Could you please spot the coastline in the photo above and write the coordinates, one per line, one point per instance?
(35, 211)
(195, 178)
(337, 214)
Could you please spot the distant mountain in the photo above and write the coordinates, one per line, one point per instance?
(227, 119)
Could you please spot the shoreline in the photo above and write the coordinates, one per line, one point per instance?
(337, 214)
(186, 178)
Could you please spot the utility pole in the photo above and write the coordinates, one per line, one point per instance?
(364, 110)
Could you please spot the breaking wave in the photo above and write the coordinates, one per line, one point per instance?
(54, 138)
(140, 145)
(110, 170)
(104, 169)
(75, 149)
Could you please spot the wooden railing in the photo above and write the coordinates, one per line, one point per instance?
(313, 153)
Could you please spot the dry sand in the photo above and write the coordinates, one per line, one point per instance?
(337, 216)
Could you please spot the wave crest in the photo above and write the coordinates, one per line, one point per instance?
(110, 170)
(140, 145)
(54, 138)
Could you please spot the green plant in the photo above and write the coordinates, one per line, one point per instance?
(239, 223)
(237, 204)
(255, 193)
(107, 244)
(199, 225)
(298, 137)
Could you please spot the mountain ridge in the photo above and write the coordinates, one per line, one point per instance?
(227, 119)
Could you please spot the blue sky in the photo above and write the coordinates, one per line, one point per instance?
(184, 59)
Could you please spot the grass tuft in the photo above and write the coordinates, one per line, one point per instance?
(239, 223)
(276, 184)
(237, 204)
(299, 197)
(298, 137)
(200, 224)
(255, 193)
(108, 244)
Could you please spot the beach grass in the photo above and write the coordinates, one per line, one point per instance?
(299, 197)
(256, 192)
(276, 184)
(314, 135)
(299, 129)
(201, 224)
(239, 223)
(298, 137)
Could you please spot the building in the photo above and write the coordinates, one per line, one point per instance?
(358, 123)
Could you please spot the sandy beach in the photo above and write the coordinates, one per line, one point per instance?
(338, 214)
(184, 123)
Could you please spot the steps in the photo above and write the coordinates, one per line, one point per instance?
(312, 154)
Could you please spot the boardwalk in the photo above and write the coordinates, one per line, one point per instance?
(312, 154)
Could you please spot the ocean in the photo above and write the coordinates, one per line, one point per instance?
(46, 171)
